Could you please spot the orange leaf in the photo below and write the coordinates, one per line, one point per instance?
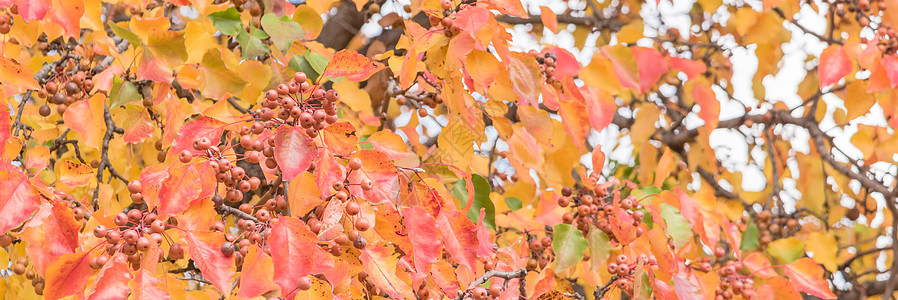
(112, 281)
(389, 143)
(52, 232)
(74, 174)
(352, 65)
(331, 227)
(381, 263)
(186, 184)
(759, 265)
(807, 276)
(834, 64)
(303, 194)
(201, 127)
(295, 253)
(381, 171)
(19, 199)
(624, 65)
(67, 275)
(702, 94)
(67, 13)
(256, 278)
(341, 138)
(525, 77)
(15, 77)
(86, 118)
(205, 250)
(550, 20)
(598, 159)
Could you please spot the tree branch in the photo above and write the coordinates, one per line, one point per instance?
(519, 273)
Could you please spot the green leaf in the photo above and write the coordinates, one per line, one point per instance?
(481, 200)
(125, 34)
(299, 63)
(568, 243)
(317, 61)
(646, 191)
(786, 250)
(227, 21)
(678, 228)
(513, 203)
(251, 45)
(283, 30)
(750, 237)
(123, 92)
(599, 248)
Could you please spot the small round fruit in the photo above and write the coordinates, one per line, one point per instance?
(305, 283)
(44, 110)
(362, 224)
(355, 163)
(228, 248)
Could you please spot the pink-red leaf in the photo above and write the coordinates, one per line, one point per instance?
(525, 78)
(566, 64)
(67, 275)
(145, 285)
(424, 236)
(205, 250)
(651, 66)
(112, 281)
(834, 64)
(330, 221)
(51, 233)
(19, 199)
(352, 65)
(200, 127)
(759, 265)
(256, 278)
(377, 167)
(380, 263)
(807, 276)
(624, 65)
(459, 236)
(185, 184)
(705, 98)
(294, 151)
(295, 253)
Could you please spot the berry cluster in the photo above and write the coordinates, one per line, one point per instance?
(886, 39)
(541, 252)
(21, 268)
(446, 21)
(5, 19)
(624, 270)
(63, 90)
(772, 227)
(546, 65)
(135, 232)
(596, 207)
(420, 100)
(226, 172)
(862, 10)
(732, 282)
(298, 103)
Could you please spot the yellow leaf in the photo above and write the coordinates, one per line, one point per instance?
(823, 245)
(630, 33)
(455, 145)
(357, 99)
(197, 40)
(857, 101)
(309, 20)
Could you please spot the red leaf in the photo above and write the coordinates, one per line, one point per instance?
(327, 171)
(550, 20)
(601, 108)
(193, 130)
(459, 236)
(205, 250)
(692, 68)
(835, 64)
(424, 236)
(112, 281)
(294, 151)
(5, 128)
(471, 19)
(807, 276)
(185, 184)
(380, 263)
(52, 232)
(145, 285)
(485, 249)
(295, 253)
(523, 70)
(352, 65)
(154, 69)
(380, 169)
(151, 179)
(566, 63)
(687, 285)
(19, 199)
(31, 9)
(651, 66)
(256, 278)
(67, 275)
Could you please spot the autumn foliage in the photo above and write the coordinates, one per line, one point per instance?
(368, 149)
